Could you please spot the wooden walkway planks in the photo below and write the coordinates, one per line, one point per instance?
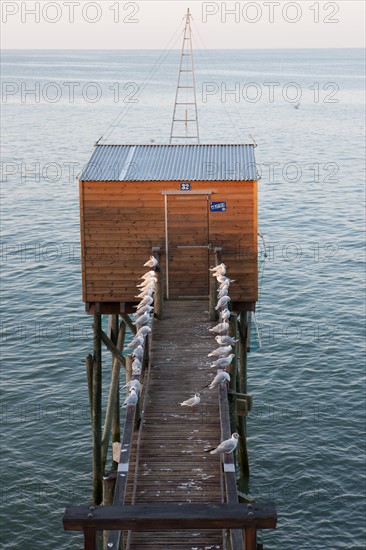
(173, 466)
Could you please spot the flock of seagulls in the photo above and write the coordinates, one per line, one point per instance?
(144, 310)
(221, 357)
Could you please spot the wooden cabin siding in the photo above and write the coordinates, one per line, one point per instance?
(121, 221)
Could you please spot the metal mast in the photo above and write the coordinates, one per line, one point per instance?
(185, 105)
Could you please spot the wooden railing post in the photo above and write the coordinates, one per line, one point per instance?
(159, 294)
(250, 538)
(213, 299)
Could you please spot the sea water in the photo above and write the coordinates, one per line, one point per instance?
(304, 110)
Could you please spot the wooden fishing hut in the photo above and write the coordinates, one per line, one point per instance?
(183, 201)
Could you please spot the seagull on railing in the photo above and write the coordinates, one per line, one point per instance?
(223, 362)
(147, 292)
(135, 342)
(221, 327)
(142, 319)
(224, 339)
(148, 283)
(218, 270)
(131, 399)
(138, 352)
(143, 331)
(223, 279)
(192, 402)
(220, 352)
(148, 275)
(222, 292)
(225, 314)
(147, 301)
(227, 446)
(152, 262)
(144, 309)
(223, 302)
(221, 378)
(135, 384)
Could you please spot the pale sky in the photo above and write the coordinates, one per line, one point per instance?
(118, 24)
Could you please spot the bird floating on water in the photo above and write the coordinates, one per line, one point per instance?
(192, 401)
(220, 378)
(227, 446)
(152, 262)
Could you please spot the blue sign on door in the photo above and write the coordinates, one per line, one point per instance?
(217, 206)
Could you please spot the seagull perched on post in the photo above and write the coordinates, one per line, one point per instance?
(137, 341)
(146, 301)
(221, 378)
(227, 446)
(192, 402)
(143, 331)
(223, 362)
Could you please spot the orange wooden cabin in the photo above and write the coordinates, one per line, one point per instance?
(185, 200)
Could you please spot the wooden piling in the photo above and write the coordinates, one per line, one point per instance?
(89, 377)
(97, 410)
(112, 398)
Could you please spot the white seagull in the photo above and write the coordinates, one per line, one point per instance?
(138, 352)
(143, 331)
(220, 378)
(144, 309)
(152, 262)
(223, 279)
(146, 301)
(137, 341)
(136, 364)
(148, 275)
(222, 292)
(192, 401)
(142, 319)
(223, 302)
(218, 270)
(223, 362)
(146, 292)
(224, 339)
(149, 283)
(227, 446)
(225, 314)
(131, 399)
(220, 352)
(135, 384)
(221, 327)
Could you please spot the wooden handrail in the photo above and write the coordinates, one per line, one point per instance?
(167, 517)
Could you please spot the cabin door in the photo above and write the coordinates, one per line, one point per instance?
(187, 245)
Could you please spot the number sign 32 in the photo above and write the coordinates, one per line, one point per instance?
(185, 186)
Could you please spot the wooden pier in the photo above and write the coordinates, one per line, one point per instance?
(163, 458)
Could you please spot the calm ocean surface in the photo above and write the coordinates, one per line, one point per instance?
(306, 430)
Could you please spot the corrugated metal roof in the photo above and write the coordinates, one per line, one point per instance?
(171, 163)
